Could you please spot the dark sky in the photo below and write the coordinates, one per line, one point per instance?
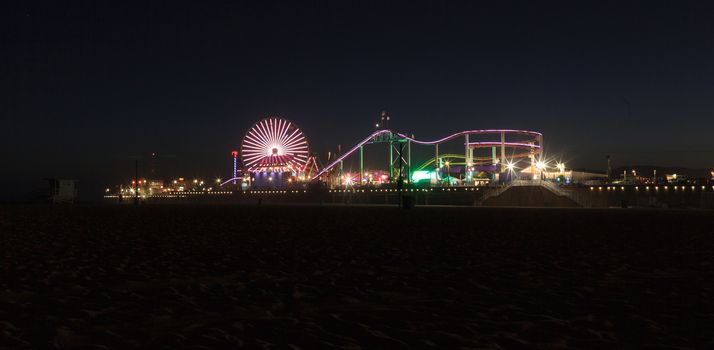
(86, 86)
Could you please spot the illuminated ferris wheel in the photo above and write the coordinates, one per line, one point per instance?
(274, 144)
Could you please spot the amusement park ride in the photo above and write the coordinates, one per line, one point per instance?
(274, 163)
(275, 159)
(274, 153)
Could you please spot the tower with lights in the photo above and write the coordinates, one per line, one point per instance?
(235, 166)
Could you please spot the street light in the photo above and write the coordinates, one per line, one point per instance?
(540, 165)
(561, 167)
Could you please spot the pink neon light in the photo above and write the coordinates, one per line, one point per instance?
(472, 132)
(448, 138)
(507, 144)
(272, 134)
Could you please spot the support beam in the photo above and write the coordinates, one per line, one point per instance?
(341, 174)
(391, 160)
(540, 146)
(503, 151)
(467, 153)
(436, 157)
(400, 179)
(361, 164)
(409, 160)
(531, 156)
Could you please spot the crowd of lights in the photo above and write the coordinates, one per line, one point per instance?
(174, 194)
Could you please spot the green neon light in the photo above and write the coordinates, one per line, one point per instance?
(421, 175)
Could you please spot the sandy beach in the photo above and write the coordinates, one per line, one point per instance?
(308, 277)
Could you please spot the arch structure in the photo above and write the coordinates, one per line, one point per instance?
(520, 144)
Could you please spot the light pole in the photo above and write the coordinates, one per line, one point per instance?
(561, 167)
(235, 166)
(540, 165)
(448, 171)
(510, 167)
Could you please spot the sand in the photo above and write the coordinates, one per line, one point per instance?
(354, 277)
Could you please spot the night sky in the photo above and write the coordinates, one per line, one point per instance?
(86, 87)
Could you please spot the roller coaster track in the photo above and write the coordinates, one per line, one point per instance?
(372, 136)
(476, 160)
(431, 160)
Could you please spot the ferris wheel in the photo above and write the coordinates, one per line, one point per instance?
(274, 144)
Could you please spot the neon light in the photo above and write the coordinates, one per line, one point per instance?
(435, 142)
(274, 144)
(497, 143)
(235, 165)
(420, 175)
(473, 132)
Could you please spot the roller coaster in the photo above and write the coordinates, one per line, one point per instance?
(503, 150)
(275, 145)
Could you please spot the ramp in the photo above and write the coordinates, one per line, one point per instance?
(530, 194)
